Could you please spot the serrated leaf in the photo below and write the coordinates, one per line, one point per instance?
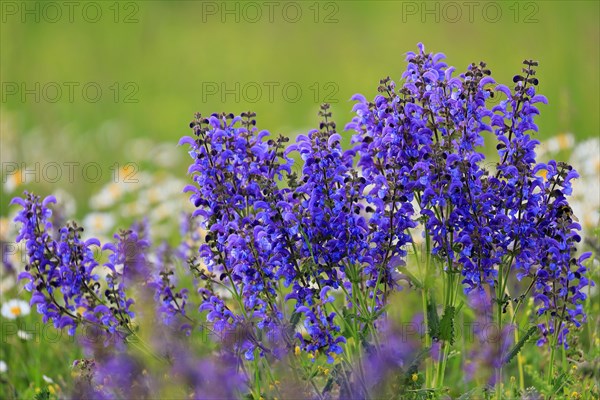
(43, 395)
(517, 347)
(447, 324)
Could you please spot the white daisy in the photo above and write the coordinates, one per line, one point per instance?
(98, 223)
(15, 308)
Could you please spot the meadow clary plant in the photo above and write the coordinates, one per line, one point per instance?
(293, 267)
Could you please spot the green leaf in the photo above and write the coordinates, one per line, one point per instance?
(294, 319)
(447, 324)
(560, 382)
(328, 385)
(468, 395)
(539, 382)
(43, 395)
(432, 317)
(414, 280)
(517, 347)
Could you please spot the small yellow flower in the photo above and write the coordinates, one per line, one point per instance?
(574, 367)
(513, 379)
(297, 350)
(51, 389)
(415, 377)
(326, 371)
(575, 395)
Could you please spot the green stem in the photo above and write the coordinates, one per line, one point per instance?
(427, 338)
(499, 298)
(257, 395)
(551, 365)
(425, 280)
(520, 361)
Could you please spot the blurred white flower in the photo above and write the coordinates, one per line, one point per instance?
(164, 210)
(8, 227)
(7, 283)
(155, 194)
(15, 308)
(98, 223)
(47, 379)
(585, 158)
(126, 180)
(66, 201)
(3, 367)
(24, 335)
(563, 141)
(165, 154)
(134, 209)
(108, 195)
(13, 180)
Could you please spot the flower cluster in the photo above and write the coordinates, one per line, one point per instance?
(63, 274)
(323, 232)
(490, 225)
(235, 172)
(286, 260)
(346, 226)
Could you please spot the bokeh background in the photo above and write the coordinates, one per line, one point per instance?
(80, 83)
(95, 95)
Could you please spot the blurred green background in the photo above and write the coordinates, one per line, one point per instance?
(158, 62)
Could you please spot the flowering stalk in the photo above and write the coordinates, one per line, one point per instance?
(62, 274)
(297, 265)
(489, 227)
